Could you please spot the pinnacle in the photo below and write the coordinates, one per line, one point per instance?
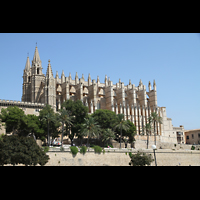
(49, 70)
(28, 65)
(36, 57)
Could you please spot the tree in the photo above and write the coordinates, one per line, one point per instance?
(107, 118)
(66, 119)
(90, 128)
(49, 122)
(21, 150)
(155, 119)
(13, 118)
(140, 159)
(147, 128)
(31, 125)
(79, 112)
(107, 134)
(130, 132)
(121, 124)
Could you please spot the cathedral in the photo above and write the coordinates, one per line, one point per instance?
(135, 102)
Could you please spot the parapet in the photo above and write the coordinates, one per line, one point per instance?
(4, 102)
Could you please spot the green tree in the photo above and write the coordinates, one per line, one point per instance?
(13, 118)
(32, 125)
(147, 128)
(140, 159)
(21, 150)
(78, 112)
(121, 125)
(107, 118)
(107, 135)
(49, 123)
(155, 118)
(90, 128)
(66, 119)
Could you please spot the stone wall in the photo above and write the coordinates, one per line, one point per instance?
(116, 157)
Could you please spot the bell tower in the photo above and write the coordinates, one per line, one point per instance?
(37, 78)
(26, 88)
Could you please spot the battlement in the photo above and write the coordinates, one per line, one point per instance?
(4, 102)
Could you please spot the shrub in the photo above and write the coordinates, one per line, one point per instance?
(46, 149)
(192, 147)
(97, 149)
(74, 150)
(83, 150)
(140, 159)
(62, 148)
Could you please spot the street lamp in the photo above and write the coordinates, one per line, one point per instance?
(154, 148)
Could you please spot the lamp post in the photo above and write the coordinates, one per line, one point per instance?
(154, 148)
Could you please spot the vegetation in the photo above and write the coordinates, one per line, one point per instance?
(21, 150)
(192, 147)
(140, 159)
(74, 150)
(72, 120)
(97, 149)
(83, 149)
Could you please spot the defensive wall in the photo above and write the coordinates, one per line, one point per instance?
(119, 157)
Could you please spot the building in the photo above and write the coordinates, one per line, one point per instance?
(180, 134)
(192, 136)
(135, 102)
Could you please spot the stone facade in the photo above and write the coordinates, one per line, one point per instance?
(192, 136)
(135, 102)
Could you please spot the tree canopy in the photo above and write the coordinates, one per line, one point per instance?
(21, 150)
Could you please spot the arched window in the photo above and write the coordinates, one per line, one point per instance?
(38, 70)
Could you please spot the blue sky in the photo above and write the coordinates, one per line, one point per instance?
(173, 60)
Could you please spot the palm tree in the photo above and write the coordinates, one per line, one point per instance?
(147, 128)
(66, 119)
(49, 117)
(90, 128)
(121, 125)
(155, 119)
(107, 134)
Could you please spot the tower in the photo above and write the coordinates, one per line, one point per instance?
(50, 87)
(37, 79)
(26, 88)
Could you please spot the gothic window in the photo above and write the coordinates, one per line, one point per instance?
(38, 70)
(29, 79)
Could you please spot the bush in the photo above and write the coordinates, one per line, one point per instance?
(62, 149)
(83, 150)
(74, 150)
(97, 149)
(46, 149)
(140, 159)
(192, 147)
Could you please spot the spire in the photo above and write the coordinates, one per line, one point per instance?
(149, 86)
(154, 85)
(49, 70)
(57, 77)
(98, 81)
(28, 65)
(36, 57)
(129, 81)
(89, 80)
(140, 83)
(62, 77)
(76, 79)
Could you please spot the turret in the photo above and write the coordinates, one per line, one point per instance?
(154, 85)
